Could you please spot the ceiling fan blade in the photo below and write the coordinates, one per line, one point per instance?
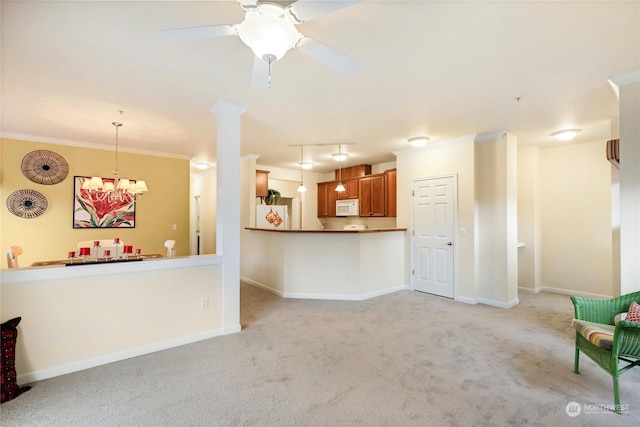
(249, 4)
(260, 75)
(195, 33)
(328, 56)
(306, 10)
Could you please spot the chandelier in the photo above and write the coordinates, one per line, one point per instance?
(117, 190)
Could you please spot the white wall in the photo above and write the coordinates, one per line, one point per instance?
(442, 158)
(325, 265)
(629, 183)
(575, 204)
(497, 219)
(75, 318)
(529, 218)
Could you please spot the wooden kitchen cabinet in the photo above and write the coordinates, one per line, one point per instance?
(372, 195)
(352, 190)
(262, 183)
(327, 196)
(391, 192)
(353, 172)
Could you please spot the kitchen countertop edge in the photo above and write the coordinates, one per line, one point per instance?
(366, 230)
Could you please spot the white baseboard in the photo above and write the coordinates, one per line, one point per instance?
(339, 297)
(343, 297)
(231, 330)
(261, 286)
(81, 365)
(498, 304)
(466, 300)
(386, 291)
(530, 290)
(573, 292)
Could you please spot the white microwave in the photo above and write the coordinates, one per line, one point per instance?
(349, 207)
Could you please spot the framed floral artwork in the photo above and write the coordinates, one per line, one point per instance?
(93, 210)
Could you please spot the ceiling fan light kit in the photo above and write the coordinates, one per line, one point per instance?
(269, 30)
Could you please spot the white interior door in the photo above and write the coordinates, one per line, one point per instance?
(433, 235)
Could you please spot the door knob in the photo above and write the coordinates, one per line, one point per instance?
(449, 243)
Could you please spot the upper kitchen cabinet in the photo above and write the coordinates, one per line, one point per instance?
(353, 172)
(373, 200)
(327, 196)
(351, 187)
(391, 192)
(377, 193)
(262, 183)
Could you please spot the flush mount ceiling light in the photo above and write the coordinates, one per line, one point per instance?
(306, 165)
(201, 165)
(418, 141)
(340, 156)
(566, 134)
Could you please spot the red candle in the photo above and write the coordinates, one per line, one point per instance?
(72, 254)
(96, 243)
(138, 251)
(107, 252)
(116, 240)
(85, 251)
(128, 249)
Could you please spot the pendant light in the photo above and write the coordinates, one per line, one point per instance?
(302, 188)
(340, 188)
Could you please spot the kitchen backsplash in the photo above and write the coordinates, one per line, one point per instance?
(339, 223)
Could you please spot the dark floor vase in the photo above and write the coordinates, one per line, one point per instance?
(8, 382)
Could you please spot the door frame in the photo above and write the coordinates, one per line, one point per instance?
(412, 264)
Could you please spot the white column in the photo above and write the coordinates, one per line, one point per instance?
(629, 87)
(228, 209)
(496, 198)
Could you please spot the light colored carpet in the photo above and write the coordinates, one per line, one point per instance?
(404, 359)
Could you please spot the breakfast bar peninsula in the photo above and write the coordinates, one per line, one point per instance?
(325, 264)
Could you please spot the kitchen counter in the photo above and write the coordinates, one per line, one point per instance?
(324, 264)
(326, 230)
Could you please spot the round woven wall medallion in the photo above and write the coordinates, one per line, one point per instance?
(45, 167)
(26, 203)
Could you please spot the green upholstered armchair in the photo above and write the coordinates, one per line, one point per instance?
(614, 347)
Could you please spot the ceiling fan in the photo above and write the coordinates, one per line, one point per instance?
(269, 30)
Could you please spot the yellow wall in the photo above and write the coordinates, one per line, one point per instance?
(51, 235)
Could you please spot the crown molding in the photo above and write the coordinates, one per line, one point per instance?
(91, 145)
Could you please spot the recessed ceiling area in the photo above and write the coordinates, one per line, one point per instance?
(435, 69)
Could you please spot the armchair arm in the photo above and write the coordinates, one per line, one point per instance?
(626, 339)
(602, 311)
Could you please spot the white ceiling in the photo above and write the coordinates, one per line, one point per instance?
(434, 68)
